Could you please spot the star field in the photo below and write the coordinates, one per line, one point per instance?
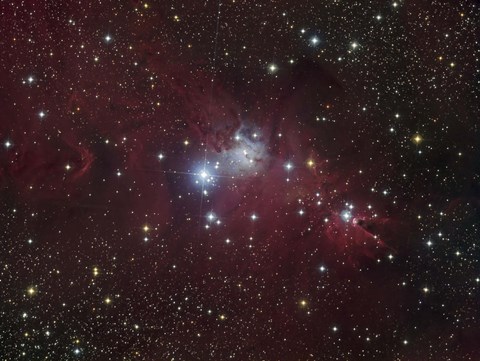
(239, 180)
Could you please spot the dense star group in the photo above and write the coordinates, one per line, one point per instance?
(239, 180)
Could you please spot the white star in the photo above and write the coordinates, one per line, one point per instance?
(211, 217)
(272, 68)
(346, 215)
(314, 40)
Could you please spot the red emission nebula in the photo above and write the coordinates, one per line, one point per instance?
(252, 181)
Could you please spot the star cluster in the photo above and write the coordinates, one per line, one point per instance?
(239, 180)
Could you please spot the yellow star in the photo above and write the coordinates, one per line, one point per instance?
(31, 291)
(417, 139)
